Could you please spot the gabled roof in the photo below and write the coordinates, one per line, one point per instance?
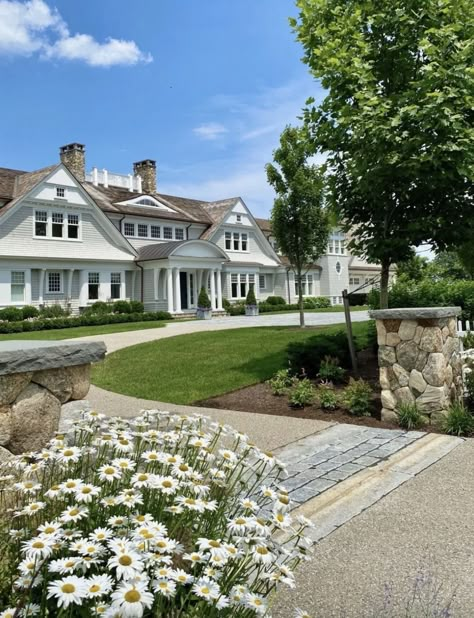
(7, 181)
(23, 183)
(264, 224)
(217, 212)
(161, 251)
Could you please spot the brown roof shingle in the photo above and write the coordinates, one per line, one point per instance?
(264, 224)
(7, 181)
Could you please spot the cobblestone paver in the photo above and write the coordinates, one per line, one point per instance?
(319, 461)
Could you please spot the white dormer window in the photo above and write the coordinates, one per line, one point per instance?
(60, 192)
(239, 218)
(146, 201)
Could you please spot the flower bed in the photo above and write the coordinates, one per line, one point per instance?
(160, 516)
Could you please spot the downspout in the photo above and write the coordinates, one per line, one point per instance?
(288, 285)
(141, 281)
(187, 232)
(120, 224)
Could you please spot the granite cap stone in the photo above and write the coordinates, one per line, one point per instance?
(20, 356)
(415, 313)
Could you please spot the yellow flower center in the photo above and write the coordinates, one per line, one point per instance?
(262, 551)
(240, 521)
(280, 517)
(124, 442)
(86, 490)
(132, 596)
(152, 456)
(38, 545)
(28, 485)
(125, 560)
(49, 530)
(143, 477)
(205, 590)
(214, 543)
(70, 564)
(68, 588)
(94, 588)
(74, 512)
(90, 549)
(284, 499)
(163, 585)
(183, 468)
(167, 484)
(70, 484)
(109, 471)
(171, 459)
(161, 544)
(190, 501)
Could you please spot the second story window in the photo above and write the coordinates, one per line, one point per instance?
(57, 227)
(244, 239)
(168, 233)
(228, 241)
(142, 230)
(41, 223)
(60, 192)
(73, 226)
(239, 218)
(155, 231)
(129, 229)
(179, 233)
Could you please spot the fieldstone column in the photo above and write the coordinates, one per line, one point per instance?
(419, 359)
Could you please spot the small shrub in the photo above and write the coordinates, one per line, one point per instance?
(204, 301)
(468, 340)
(469, 386)
(100, 308)
(53, 311)
(316, 302)
(327, 397)
(251, 300)
(236, 310)
(410, 417)
(226, 304)
(281, 382)
(459, 421)
(357, 397)
(309, 354)
(330, 370)
(28, 311)
(302, 394)
(11, 314)
(136, 306)
(121, 306)
(266, 308)
(275, 300)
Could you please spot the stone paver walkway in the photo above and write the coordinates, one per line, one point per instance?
(319, 461)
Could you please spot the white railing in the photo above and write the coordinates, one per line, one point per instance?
(110, 179)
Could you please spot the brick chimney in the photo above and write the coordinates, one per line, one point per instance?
(73, 156)
(147, 171)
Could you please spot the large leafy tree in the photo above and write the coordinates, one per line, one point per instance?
(397, 121)
(300, 222)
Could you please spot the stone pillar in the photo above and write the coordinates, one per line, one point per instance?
(169, 294)
(419, 359)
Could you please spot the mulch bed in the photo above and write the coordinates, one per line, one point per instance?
(259, 399)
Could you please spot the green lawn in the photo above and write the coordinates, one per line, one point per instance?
(332, 309)
(85, 331)
(189, 368)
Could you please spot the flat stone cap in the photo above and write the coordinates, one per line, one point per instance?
(19, 356)
(415, 313)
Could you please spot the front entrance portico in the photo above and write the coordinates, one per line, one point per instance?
(181, 269)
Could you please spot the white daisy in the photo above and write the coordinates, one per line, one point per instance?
(130, 599)
(67, 591)
(98, 585)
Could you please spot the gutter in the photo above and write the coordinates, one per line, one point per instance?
(141, 281)
(187, 231)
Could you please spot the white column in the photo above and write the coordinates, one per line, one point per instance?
(69, 284)
(132, 291)
(83, 291)
(28, 286)
(219, 290)
(156, 283)
(123, 292)
(95, 176)
(213, 289)
(169, 275)
(188, 287)
(41, 286)
(177, 291)
(105, 178)
(198, 281)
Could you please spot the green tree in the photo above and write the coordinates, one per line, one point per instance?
(397, 121)
(299, 220)
(413, 269)
(447, 265)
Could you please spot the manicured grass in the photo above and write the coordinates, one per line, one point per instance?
(85, 331)
(332, 309)
(189, 368)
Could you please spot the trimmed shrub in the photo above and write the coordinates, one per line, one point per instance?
(11, 314)
(136, 306)
(302, 394)
(281, 382)
(410, 417)
(266, 308)
(357, 397)
(251, 300)
(53, 311)
(121, 306)
(308, 355)
(468, 340)
(226, 304)
(327, 397)
(204, 301)
(28, 311)
(469, 385)
(316, 302)
(275, 300)
(236, 310)
(100, 308)
(459, 421)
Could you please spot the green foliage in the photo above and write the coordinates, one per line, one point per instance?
(446, 265)
(204, 301)
(357, 300)
(412, 269)
(101, 308)
(459, 421)
(469, 386)
(307, 356)
(136, 306)
(330, 370)
(121, 306)
(11, 314)
(302, 394)
(410, 417)
(468, 340)
(316, 302)
(428, 293)
(300, 222)
(275, 300)
(281, 382)
(327, 397)
(251, 300)
(226, 304)
(28, 311)
(396, 123)
(357, 397)
(53, 311)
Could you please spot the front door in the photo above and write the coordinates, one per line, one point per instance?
(183, 284)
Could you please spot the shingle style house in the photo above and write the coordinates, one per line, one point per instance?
(71, 237)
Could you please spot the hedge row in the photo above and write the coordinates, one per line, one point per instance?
(82, 320)
(429, 293)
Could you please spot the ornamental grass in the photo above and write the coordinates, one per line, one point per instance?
(162, 515)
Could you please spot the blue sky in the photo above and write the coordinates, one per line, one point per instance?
(204, 87)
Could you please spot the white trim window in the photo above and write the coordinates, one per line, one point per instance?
(55, 282)
(354, 281)
(142, 230)
(155, 231)
(228, 241)
(236, 241)
(129, 229)
(57, 225)
(41, 223)
(93, 283)
(262, 282)
(61, 192)
(306, 285)
(17, 286)
(115, 286)
(240, 284)
(73, 226)
(238, 218)
(336, 245)
(338, 268)
(168, 233)
(179, 233)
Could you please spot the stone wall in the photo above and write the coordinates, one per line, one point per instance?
(419, 359)
(36, 379)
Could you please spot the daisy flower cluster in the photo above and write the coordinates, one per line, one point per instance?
(161, 515)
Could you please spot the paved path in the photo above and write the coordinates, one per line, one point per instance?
(117, 341)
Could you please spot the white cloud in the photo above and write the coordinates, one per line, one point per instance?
(33, 27)
(210, 131)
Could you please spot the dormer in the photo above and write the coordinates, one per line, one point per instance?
(146, 201)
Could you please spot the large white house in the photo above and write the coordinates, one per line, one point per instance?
(71, 237)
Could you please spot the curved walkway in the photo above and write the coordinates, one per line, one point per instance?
(117, 341)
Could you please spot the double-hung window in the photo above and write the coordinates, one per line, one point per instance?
(168, 233)
(179, 233)
(115, 285)
(236, 245)
(244, 242)
(94, 281)
(17, 286)
(228, 241)
(142, 230)
(57, 224)
(234, 286)
(41, 223)
(155, 231)
(54, 283)
(60, 192)
(261, 282)
(129, 229)
(73, 226)
(243, 286)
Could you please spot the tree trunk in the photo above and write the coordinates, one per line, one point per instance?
(384, 275)
(300, 299)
